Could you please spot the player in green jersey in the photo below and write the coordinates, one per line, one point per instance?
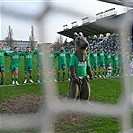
(40, 66)
(14, 65)
(89, 64)
(101, 62)
(61, 54)
(51, 57)
(108, 60)
(28, 64)
(2, 63)
(115, 63)
(93, 56)
(120, 63)
(69, 56)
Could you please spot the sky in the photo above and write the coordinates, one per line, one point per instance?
(23, 14)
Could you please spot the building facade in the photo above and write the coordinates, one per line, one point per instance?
(18, 43)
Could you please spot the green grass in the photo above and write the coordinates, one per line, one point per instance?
(102, 91)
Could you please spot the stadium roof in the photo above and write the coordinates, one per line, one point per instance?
(127, 3)
(110, 24)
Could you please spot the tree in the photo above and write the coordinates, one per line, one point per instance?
(32, 38)
(58, 42)
(9, 39)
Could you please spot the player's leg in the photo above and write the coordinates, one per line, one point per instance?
(99, 69)
(103, 70)
(68, 71)
(38, 72)
(95, 70)
(30, 74)
(16, 76)
(114, 71)
(59, 68)
(64, 71)
(54, 73)
(2, 69)
(99, 72)
(12, 74)
(2, 78)
(25, 74)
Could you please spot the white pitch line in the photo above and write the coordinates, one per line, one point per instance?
(17, 85)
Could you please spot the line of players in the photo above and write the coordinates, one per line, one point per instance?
(15, 63)
(102, 64)
(98, 59)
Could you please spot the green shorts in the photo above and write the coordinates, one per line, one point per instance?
(94, 65)
(2, 68)
(27, 69)
(115, 66)
(101, 64)
(107, 64)
(13, 68)
(68, 66)
(53, 67)
(61, 66)
(39, 66)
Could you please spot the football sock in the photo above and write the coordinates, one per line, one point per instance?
(95, 73)
(58, 75)
(30, 77)
(16, 79)
(102, 73)
(68, 75)
(98, 73)
(38, 77)
(2, 80)
(118, 70)
(12, 79)
(63, 75)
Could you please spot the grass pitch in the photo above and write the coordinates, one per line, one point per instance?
(102, 90)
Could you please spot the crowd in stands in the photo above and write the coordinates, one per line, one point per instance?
(112, 43)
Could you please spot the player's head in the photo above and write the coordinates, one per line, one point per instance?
(72, 49)
(0, 45)
(62, 48)
(101, 49)
(95, 49)
(51, 49)
(109, 51)
(88, 51)
(115, 52)
(28, 49)
(15, 49)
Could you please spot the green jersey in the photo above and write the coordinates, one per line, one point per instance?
(40, 56)
(89, 60)
(120, 58)
(100, 56)
(15, 58)
(2, 53)
(69, 55)
(93, 56)
(115, 59)
(28, 58)
(52, 57)
(108, 58)
(61, 57)
(80, 67)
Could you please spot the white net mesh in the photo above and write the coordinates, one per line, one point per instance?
(53, 105)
